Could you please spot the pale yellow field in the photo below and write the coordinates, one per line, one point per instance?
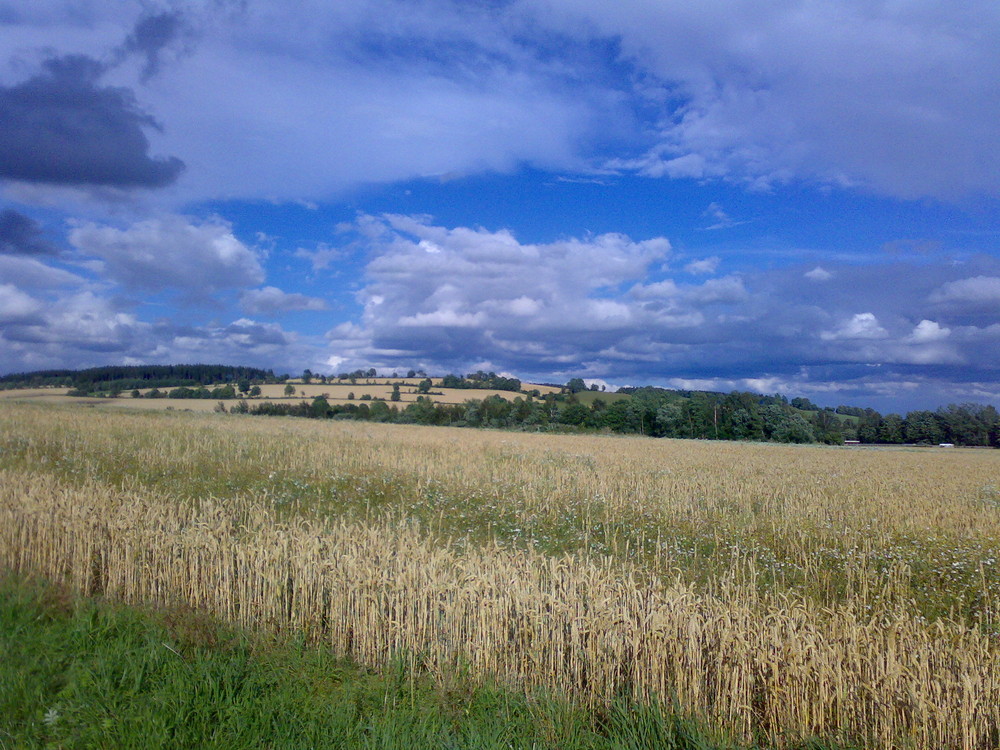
(336, 392)
(414, 382)
(30, 393)
(780, 592)
(155, 404)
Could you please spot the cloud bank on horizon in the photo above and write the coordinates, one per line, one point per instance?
(796, 196)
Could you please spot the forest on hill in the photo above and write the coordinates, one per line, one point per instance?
(116, 379)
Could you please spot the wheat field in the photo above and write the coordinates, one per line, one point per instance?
(775, 592)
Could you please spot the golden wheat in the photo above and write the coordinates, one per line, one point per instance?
(782, 660)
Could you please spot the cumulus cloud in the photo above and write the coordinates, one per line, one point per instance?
(443, 318)
(80, 322)
(171, 252)
(30, 273)
(454, 294)
(320, 258)
(446, 296)
(859, 326)
(727, 289)
(16, 305)
(818, 274)
(928, 331)
(270, 300)
(242, 340)
(703, 266)
(976, 290)
(85, 329)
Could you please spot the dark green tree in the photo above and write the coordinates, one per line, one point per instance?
(922, 427)
(574, 414)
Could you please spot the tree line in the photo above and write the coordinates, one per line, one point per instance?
(677, 414)
(118, 379)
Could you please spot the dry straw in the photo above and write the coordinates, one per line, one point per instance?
(779, 665)
(776, 591)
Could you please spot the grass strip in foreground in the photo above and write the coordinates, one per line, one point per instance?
(89, 673)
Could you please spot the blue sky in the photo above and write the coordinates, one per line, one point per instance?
(785, 196)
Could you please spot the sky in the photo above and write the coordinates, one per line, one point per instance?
(784, 196)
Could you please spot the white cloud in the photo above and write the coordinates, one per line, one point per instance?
(933, 353)
(444, 294)
(16, 305)
(704, 266)
(368, 92)
(522, 306)
(171, 252)
(861, 326)
(818, 274)
(270, 300)
(93, 322)
(80, 322)
(897, 98)
(33, 274)
(243, 340)
(728, 289)
(718, 217)
(665, 289)
(442, 318)
(320, 258)
(928, 331)
(975, 290)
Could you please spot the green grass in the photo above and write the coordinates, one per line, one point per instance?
(589, 397)
(90, 674)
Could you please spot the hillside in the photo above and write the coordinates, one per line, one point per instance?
(485, 399)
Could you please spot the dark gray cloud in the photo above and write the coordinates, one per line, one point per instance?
(151, 36)
(63, 127)
(22, 235)
(896, 98)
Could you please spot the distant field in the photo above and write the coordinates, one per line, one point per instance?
(381, 388)
(778, 593)
(589, 397)
(23, 393)
(336, 392)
